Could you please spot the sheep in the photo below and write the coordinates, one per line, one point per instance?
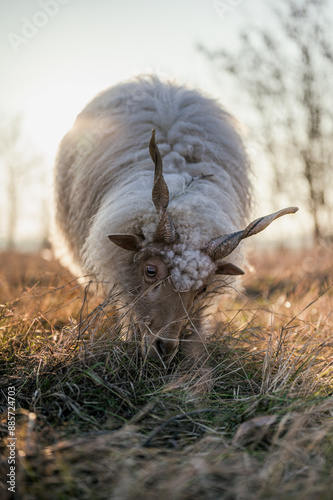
(157, 224)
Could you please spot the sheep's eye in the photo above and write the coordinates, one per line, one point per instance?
(203, 290)
(151, 271)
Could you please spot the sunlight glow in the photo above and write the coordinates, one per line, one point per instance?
(51, 113)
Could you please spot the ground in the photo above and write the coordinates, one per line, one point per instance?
(82, 417)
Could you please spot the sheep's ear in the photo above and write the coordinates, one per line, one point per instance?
(130, 242)
(228, 268)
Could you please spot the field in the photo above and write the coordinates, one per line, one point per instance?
(253, 420)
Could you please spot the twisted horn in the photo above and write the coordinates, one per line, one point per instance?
(165, 230)
(224, 245)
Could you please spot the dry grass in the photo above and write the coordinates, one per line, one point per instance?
(253, 421)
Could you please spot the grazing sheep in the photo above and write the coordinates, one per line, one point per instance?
(171, 230)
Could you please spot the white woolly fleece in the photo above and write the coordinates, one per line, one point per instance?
(188, 268)
(104, 178)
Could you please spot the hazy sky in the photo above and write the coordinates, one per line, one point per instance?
(56, 54)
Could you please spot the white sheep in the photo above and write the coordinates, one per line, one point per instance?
(169, 230)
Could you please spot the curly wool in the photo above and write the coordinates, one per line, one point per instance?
(188, 268)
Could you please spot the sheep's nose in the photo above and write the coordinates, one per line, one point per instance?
(165, 347)
(160, 348)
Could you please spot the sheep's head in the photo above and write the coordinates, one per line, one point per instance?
(161, 308)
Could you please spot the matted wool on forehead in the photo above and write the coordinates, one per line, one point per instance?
(188, 268)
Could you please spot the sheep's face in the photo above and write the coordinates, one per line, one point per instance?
(163, 307)
(160, 309)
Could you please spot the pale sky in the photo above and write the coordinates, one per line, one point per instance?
(57, 54)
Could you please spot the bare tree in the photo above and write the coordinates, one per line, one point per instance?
(19, 167)
(287, 76)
